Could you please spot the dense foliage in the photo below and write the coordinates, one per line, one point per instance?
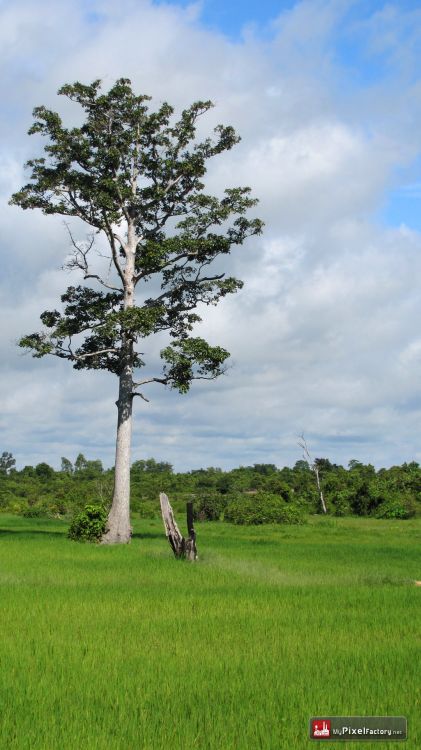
(249, 494)
(89, 524)
(263, 507)
(135, 177)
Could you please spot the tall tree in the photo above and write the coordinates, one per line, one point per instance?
(136, 177)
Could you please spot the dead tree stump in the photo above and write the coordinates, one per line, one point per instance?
(182, 548)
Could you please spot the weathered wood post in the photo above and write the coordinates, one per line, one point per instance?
(191, 551)
(181, 547)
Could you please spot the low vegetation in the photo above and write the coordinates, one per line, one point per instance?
(88, 525)
(122, 647)
(255, 494)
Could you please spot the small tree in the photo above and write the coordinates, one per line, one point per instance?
(136, 178)
(80, 463)
(66, 465)
(44, 471)
(7, 462)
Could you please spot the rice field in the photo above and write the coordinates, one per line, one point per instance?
(105, 648)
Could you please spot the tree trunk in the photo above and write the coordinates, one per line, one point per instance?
(319, 487)
(182, 548)
(191, 550)
(118, 525)
(118, 529)
(172, 531)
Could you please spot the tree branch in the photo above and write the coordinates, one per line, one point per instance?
(164, 381)
(122, 204)
(101, 281)
(312, 465)
(69, 353)
(211, 377)
(141, 274)
(111, 238)
(79, 261)
(94, 354)
(137, 393)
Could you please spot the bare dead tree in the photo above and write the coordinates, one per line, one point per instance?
(312, 465)
(182, 548)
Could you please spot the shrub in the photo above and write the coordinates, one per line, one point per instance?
(341, 503)
(399, 508)
(277, 486)
(263, 508)
(89, 525)
(209, 507)
(15, 506)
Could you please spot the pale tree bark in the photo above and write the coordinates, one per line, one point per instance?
(182, 548)
(118, 525)
(314, 468)
(319, 487)
(119, 530)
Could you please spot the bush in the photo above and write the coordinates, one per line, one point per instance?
(89, 525)
(15, 506)
(341, 503)
(209, 507)
(263, 508)
(399, 508)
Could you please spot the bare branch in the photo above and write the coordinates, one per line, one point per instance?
(80, 260)
(164, 381)
(68, 353)
(94, 354)
(80, 255)
(211, 377)
(306, 453)
(101, 281)
(172, 183)
(111, 238)
(209, 278)
(137, 393)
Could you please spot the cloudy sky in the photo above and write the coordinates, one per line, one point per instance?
(325, 336)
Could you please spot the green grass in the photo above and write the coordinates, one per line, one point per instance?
(124, 647)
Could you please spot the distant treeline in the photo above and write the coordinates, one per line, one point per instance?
(248, 494)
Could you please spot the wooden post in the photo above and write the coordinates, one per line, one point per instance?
(181, 547)
(191, 551)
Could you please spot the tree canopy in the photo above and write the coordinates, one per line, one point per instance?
(126, 171)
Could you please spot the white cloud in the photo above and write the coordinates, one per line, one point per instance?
(324, 337)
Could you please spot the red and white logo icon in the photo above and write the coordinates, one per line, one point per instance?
(320, 728)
